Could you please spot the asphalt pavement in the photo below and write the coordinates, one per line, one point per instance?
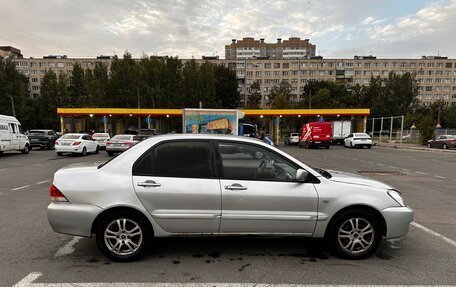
(30, 250)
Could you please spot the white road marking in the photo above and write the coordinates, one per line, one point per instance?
(404, 169)
(381, 164)
(392, 166)
(44, 181)
(3, 169)
(419, 172)
(438, 176)
(20, 187)
(424, 228)
(29, 279)
(36, 164)
(67, 248)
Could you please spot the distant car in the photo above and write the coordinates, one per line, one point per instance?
(291, 138)
(358, 140)
(11, 136)
(76, 143)
(42, 138)
(120, 143)
(315, 134)
(101, 139)
(187, 184)
(444, 141)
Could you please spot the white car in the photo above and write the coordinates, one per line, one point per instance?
(76, 143)
(11, 136)
(358, 140)
(101, 139)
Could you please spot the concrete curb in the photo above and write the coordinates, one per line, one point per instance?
(404, 146)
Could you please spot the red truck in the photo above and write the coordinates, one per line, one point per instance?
(316, 134)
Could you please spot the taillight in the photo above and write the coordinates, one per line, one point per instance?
(108, 142)
(128, 143)
(452, 141)
(57, 195)
(76, 143)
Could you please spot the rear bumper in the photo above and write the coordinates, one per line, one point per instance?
(70, 148)
(39, 143)
(73, 219)
(398, 220)
(116, 149)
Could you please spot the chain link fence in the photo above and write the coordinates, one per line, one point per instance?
(391, 130)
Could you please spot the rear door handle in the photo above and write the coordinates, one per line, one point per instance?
(149, 183)
(235, 186)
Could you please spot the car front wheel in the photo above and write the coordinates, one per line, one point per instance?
(122, 236)
(429, 145)
(445, 146)
(354, 235)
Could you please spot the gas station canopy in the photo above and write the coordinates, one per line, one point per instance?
(178, 112)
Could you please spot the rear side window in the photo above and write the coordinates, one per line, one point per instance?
(187, 159)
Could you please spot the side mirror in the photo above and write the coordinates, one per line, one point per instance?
(301, 175)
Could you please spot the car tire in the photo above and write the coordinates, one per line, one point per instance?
(327, 147)
(344, 233)
(429, 145)
(60, 153)
(445, 146)
(26, 149)
(84, 151)
(369, 146)
(97, 150)
(351, 145)
(110, 153)
(119, 232)
(51, 146)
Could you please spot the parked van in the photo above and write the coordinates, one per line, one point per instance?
(11, 136)
(316, 134)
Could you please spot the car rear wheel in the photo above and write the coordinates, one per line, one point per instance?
(60, 153)
(429, 145)
(97, 149)
(123, 236)
(445, 146)
(369, 146)
(355, 234)
(84, 151)
(110, 153)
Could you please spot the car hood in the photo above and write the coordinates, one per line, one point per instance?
(80, 167)
(352, 178)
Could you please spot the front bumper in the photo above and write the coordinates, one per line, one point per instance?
(73, 219)
(398, 220)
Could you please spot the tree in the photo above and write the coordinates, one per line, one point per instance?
(426, 128)
(226, 88)
(77, 90)
(280, 96)
(97, 81)
(254, 97)
(48, 100)
(124, 82)
(190, 83)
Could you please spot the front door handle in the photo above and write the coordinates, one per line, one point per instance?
(149, 183)
(235, 186)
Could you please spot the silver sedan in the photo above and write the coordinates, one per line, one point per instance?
(214, 184)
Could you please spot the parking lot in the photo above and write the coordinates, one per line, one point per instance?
(31, 251)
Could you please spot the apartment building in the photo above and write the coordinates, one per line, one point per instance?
(293, 48)
(10, 52)
(436, 76)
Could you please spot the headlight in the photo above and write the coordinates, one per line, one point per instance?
(396, 195)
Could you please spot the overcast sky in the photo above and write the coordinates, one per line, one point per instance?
(339, 28)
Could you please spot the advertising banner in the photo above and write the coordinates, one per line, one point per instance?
(206, 121)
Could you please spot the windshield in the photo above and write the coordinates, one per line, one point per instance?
(70, 137)
(36, 132)
(100, 135)
(323, 172)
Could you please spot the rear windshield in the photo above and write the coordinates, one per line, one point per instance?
(100, 135)
(121, 138)
(362, 135)
(36, 132)
(70, 137)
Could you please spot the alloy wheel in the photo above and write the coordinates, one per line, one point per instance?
(123, 236)
(356, 235)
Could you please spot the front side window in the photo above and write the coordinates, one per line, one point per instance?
(186, 159)
(252, 162)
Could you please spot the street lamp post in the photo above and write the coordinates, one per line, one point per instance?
(12, 104)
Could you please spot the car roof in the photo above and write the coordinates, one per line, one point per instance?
(178, 136)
